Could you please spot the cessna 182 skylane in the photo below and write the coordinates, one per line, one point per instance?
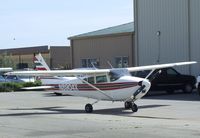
(104, 84)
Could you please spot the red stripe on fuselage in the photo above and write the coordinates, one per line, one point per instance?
(102, 86)
(41, 68)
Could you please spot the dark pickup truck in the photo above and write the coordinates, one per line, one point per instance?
(169, 80)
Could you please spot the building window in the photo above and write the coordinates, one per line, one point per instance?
(121, 62)
(84, 63)
(89, 63)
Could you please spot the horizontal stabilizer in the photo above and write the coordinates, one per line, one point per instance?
(5, 69)
(38, 88)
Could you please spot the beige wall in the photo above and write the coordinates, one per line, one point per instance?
(103, 48)
(60, 57)
(28, 58)
(55, 56)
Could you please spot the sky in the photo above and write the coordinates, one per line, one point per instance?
(26, 23)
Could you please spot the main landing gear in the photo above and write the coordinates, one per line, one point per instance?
(88, 108)
(131, 105)
(127, 105)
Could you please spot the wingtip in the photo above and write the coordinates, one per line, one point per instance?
(192, 62)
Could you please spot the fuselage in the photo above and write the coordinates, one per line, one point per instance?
(118, 90)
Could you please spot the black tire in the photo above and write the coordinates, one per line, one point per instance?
(88, 108)
(170, 91)
(198, 89)
(134, 107)
(127, 105)
(58, 94)
(187, 88)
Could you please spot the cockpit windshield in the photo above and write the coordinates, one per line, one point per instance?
(115, 74)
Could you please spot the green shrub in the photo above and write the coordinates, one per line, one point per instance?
(4, 88)
(32, 84)
(10, 86)
(13, 86)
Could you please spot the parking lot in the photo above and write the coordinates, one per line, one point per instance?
(41, 114)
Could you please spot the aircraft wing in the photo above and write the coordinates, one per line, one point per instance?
(159, 66)
(94, 72)
(59, 72)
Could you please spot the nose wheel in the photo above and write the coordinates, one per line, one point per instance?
(127, 105)
(131, 105)
(134, 107)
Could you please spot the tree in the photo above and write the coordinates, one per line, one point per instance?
(6, 60)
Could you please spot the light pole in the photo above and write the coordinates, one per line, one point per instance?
(158, 33)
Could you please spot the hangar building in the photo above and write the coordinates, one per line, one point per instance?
(55, 56)
(114, 44)
(167, 31)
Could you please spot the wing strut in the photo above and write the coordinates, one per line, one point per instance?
(100, 91)
(150, 74)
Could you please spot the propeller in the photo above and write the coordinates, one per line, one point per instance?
(142, 87)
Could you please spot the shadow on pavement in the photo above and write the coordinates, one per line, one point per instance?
(176, 96)
(62, 110)
(159, 95)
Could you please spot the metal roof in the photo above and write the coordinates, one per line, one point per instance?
(25, 50)
(124, 28)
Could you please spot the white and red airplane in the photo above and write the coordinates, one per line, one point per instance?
(104, 84)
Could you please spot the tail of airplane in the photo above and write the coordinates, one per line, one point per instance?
(40, 63)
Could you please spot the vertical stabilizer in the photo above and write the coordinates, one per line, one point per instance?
(40, 63)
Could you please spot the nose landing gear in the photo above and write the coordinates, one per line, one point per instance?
(131, 105)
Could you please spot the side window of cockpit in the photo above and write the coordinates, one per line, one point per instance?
(90, 80)
(101, 79)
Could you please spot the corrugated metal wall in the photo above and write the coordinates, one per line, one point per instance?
(195, 34)
(162, 29)
(102, 48)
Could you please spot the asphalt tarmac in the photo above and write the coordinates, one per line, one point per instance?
(42, 114)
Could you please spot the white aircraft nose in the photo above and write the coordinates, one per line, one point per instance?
(142, 90)
(147, 84)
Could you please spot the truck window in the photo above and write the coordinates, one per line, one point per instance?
(171, 72)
